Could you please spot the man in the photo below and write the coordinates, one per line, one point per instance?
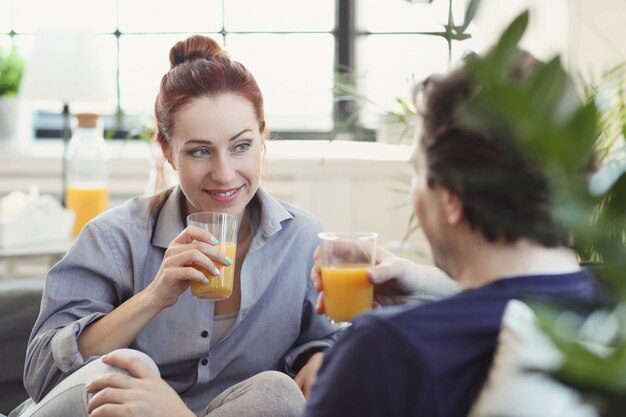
(486, 208)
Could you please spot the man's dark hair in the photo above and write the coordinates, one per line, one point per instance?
(505, 193)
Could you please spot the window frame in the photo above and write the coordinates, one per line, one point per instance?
(345, 33)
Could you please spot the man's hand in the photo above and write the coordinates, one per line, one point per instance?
(308, 374)
(396, 280)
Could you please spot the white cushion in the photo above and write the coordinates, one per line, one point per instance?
(511, 389)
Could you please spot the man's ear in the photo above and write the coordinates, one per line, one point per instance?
(453, 207)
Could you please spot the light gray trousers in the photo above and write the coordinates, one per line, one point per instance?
(267, 394)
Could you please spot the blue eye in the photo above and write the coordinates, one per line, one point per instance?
(200, 153)
(242, 147)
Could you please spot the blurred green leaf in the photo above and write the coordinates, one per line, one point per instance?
(11, 70)
(504, 50)
(543, 114)
(470, 12)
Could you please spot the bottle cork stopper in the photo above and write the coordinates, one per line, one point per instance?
(87, 120)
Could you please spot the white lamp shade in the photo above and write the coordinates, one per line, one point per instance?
(65, 66)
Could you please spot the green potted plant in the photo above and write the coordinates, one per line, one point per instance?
(564, 133)
(11, 69)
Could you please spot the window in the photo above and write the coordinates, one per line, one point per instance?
(292, 47)
(392, 56)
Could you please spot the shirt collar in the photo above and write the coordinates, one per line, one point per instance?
(170, 223)
(272, 214)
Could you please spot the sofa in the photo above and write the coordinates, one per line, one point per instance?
(19, 307)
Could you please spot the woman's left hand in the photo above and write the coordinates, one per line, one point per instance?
(142, 393)
(308, 374)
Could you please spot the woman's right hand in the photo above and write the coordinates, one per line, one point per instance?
(141, 393)
(192, 247)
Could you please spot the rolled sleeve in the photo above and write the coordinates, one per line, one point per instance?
(83, 287)
(64, 344)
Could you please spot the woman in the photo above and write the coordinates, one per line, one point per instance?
(125, 281)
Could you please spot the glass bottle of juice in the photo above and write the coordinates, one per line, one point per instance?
(87, 192)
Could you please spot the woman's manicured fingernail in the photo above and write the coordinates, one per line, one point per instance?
(216, 271)
(206, 281)
(229, 261)
(214, 240)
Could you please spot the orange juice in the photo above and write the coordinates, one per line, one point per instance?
(87, 203)
(219, 287)
(347, 291)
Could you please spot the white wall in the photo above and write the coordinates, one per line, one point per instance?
(589, 34)
(547, 32)
(597, 34)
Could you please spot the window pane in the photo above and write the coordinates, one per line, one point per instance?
(167, 16)
(30, 15)
(5, 16)
(295, 74)
(108, 58)
(279, 15)
(5, 43)
(390, 63)
(403, 16)
(144, 59)
(24, 44)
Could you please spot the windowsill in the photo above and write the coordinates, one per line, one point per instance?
(39, 164)
(53, 149)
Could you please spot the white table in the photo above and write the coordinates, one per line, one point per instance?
(52, 251)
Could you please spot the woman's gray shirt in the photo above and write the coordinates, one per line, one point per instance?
(119, 253)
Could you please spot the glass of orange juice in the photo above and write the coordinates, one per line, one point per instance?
(224, 228)
(345, 258)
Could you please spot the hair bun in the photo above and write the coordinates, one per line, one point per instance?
(194, 47)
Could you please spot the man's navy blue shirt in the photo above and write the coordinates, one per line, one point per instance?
(432, 359)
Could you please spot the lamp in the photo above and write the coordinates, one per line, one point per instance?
(64, 67)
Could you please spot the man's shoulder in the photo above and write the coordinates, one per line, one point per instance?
(442, 313)
(448, 323)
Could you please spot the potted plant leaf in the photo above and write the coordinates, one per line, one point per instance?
(11, 69)
(566, 133)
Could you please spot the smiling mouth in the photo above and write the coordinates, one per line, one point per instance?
(224, 193)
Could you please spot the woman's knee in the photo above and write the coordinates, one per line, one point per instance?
(268, 393)
(69, 396)
(98, 367)
(140, 355)
(282, 391)
(282, 382)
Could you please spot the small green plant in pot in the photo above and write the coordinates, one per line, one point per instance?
(11, 69)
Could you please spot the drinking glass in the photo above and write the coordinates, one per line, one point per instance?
(224, 228)
(345, 258)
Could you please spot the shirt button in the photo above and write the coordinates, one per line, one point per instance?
(204, 361)
(204, 333)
